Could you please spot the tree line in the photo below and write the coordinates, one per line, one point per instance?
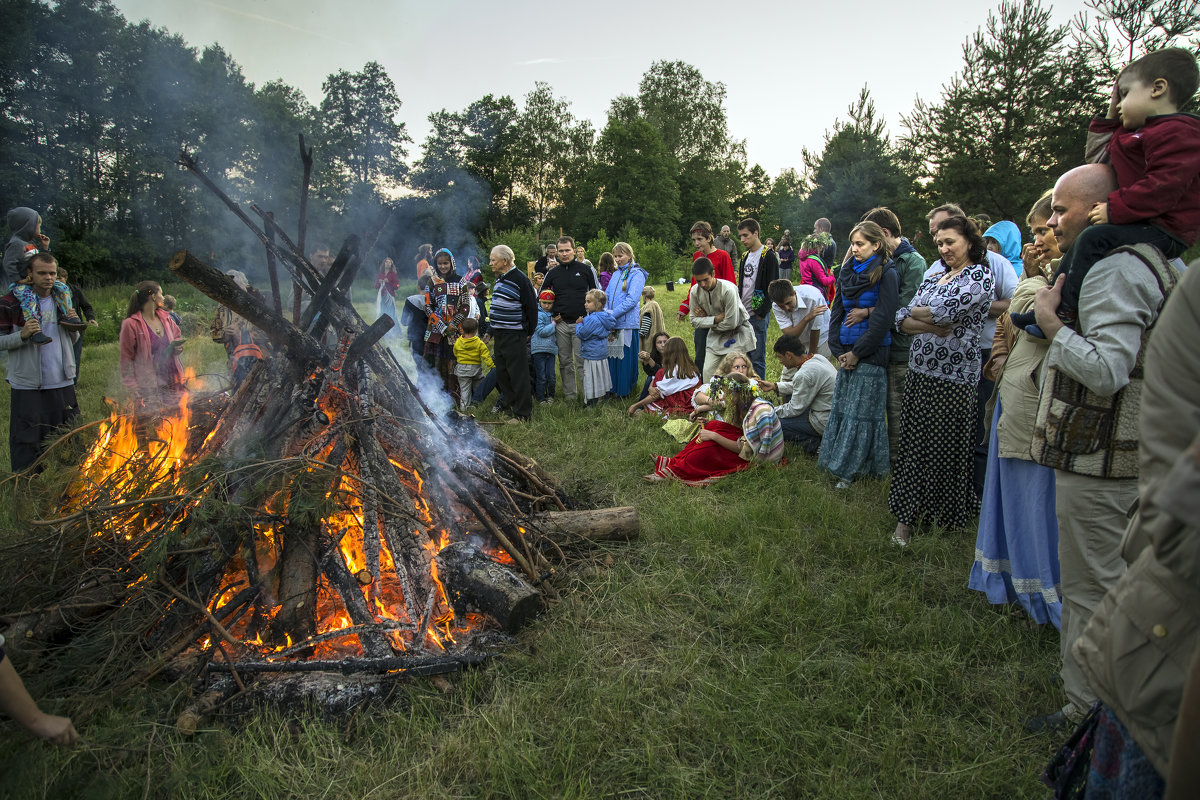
(95, 111)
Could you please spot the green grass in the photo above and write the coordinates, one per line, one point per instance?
(761, 639)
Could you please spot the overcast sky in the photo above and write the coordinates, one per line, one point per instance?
(790, 70)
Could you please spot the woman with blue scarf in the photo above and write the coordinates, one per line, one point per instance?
(624, 292)
(855, 441)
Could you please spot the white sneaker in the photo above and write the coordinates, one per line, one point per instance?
(843, 485)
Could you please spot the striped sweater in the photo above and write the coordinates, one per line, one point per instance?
(514, 304)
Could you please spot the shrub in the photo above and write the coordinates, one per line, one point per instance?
(523, 241)
(658, 258)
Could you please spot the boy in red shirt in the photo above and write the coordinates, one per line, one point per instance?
(1155, 151)
(702, 238)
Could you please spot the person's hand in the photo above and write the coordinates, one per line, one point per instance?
(855, 316)
(848, 360)
(43, 241)
(57, 730)
(681, 317)
(768, 386)
(698, 310)
(1099, 214)
(643, 356)
(633, 409)
(705, 435)
(557, 318)
(719, 318)
(32, 326)
(816, 312)
(93, 323)
(922, 314)
(1045, 307)
(998, 364)
(1032, 255)
(655, 393)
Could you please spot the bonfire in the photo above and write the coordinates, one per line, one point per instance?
(324, 520)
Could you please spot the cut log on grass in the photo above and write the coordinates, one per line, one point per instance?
(58, 621)
(475, 582)
(566, 528)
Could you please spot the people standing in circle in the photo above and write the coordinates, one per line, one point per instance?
(622, 298)
(150, 367)
(855, 440)
(932, 480)
(570, 281)
(759, 266)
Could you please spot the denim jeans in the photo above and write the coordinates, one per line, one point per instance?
(758, 357)
(800, 430)
(485, 386)
(543, 370)
(701, 337)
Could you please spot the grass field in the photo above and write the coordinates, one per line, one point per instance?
(761, 639)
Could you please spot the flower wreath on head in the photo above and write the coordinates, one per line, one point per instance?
(721, 384)
(815, 242)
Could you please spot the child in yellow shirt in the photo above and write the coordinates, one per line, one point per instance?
(471, 354)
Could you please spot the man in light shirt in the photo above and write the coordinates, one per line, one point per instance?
(801, 311)
(806, 384)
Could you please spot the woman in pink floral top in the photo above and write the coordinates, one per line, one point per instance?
(932, 476)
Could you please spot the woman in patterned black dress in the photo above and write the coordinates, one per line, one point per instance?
(932, 477)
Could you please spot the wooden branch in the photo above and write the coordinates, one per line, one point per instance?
(386, 626)
(413, 665)
(367, 339)
(335, 570)
(217, 627)
(285, 337)
(272, 272)
(306, 158)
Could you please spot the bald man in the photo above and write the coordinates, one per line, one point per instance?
(1094, 457)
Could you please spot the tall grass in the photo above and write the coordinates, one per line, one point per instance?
(761, 639)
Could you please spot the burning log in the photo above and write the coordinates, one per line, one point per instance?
(475, 582)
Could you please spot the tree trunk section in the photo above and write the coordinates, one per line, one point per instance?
(475, 582)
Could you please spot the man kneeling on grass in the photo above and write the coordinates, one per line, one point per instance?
(806, 385)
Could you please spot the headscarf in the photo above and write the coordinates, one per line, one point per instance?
(1009, 236)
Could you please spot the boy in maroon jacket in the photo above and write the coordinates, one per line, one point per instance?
(1155, 151)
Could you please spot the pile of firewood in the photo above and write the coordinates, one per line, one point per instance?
(320, 520)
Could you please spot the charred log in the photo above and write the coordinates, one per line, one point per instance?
(476, 582)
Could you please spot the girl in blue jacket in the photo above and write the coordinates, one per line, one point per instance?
(593, 332)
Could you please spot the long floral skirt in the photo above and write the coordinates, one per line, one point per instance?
(855, 442)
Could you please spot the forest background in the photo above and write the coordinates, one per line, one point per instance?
(94, 111)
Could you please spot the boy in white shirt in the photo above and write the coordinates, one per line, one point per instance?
(801, 311)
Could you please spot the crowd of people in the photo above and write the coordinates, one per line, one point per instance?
(1003, 383)
(1050, 391)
